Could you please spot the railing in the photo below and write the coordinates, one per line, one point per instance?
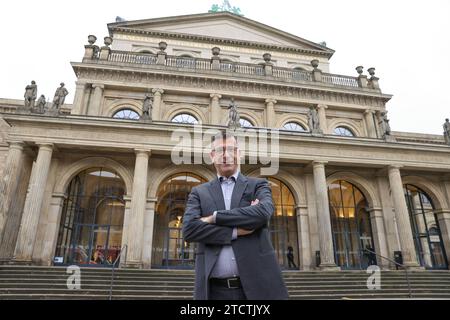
(233, 67)
(132, 57)
(292, 74)
(124, 248)
(398, 265)
(340, 80)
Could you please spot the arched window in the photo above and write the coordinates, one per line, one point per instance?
(425, 229)
(169, 248)
(126, 114)
(90, 231)
(185, 118)
(294, 126)
(283, 224)
(343, 131)
(350, 223)
(245, 123)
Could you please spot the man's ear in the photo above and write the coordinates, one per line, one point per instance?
(211, 156)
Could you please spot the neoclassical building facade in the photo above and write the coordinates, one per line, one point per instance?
(97, 180)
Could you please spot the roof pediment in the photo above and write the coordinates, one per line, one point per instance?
(222, 25)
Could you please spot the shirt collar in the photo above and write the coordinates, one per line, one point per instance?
(235, 176)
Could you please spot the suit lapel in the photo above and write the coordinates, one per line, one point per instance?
(216, 194)
(238, 191)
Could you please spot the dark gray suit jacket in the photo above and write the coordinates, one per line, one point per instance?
(258, 267)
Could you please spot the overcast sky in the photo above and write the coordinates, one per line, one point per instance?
(408, 42)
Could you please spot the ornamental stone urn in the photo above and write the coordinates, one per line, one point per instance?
(92, 39)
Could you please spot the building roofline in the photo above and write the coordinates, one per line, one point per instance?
(128, 26)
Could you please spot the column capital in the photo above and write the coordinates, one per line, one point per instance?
(322, 106)
(16, 144)
(270, 100)
(319, 163)
(98, 85)
(394, 167)
(45, 146)
(142, 152)
(158, 91)
(369, 111)
(215, 96)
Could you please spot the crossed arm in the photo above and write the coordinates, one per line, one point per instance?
(220, 231)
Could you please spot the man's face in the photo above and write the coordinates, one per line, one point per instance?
(225, 155)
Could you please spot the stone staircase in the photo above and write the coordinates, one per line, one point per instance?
(24, 282)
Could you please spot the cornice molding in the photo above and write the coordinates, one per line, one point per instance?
(215, 82)
(218, 41)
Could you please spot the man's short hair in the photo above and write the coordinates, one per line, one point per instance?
(223, 135)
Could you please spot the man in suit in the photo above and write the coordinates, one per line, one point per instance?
(228, 217)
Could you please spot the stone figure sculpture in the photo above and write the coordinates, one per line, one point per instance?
(447, 131)
(30, 94)
(233, 116)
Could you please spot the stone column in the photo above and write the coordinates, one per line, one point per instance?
(53, 223)
(402, 218)
(370, 125)
(10, 180)
(148, 233)
(216, 111)
(79, 99)
(33, 205)
(322, 118)
(323, 216)
(270, 112)
(156, 112)
(137, 210)
(96, 102)
(304, 245)
(379, 236)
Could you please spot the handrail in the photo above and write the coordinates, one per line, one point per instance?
(124, 248)
(397, 264)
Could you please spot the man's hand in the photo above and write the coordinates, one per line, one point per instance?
(255, 202)
(208, 219)
(243, 232)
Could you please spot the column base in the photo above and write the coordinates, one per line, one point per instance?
(131, 265)
(22, 262)
(329, 267)
(414, 267)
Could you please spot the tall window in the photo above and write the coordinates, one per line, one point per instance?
(351, 228)
(425, 228)
(90, 231)
(283, 225)
(185, 118)
(169, 249)
(343, 131)
(127, 114)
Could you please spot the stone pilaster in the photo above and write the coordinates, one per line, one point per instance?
(402, 218)
(443, 219)
(370, 125)
(379, 236)
(96, 102)
(10, 180)
(79, 100)
(321, 111)
(323, 217)
(33, 205)
(137, 210)
(270, 112)
(216, 112)
(157, 99)
(53, 223)
(304, 244)
(148, 233)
